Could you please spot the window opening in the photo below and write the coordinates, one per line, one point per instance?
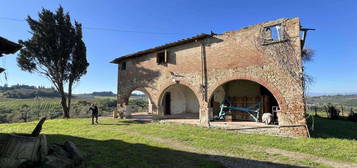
(123, 66)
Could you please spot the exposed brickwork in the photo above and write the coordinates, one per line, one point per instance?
(234, 55)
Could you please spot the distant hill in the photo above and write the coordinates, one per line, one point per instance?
(26, 91)
(348, 100)
(93, 94)
(313, 94)
(104, 93)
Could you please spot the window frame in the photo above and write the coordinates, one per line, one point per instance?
(123, 66)
(162, 57)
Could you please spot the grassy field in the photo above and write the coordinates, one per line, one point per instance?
(124, 143)
(325, 128)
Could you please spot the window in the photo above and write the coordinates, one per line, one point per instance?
(273, 34)
(162, 57)
(123, 66)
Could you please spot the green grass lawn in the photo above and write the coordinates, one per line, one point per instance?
(325, 128)
(123, 143)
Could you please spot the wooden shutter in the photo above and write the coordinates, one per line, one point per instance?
(166, 60)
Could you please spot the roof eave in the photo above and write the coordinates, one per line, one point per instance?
(8, 47)
(159, 48)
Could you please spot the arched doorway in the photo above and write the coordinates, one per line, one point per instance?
(243, 94)
(179, 102)
(139, 101)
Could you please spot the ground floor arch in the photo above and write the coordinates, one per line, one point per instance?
(179, 101)
(136, 100)
(243, 94)
(140, 101)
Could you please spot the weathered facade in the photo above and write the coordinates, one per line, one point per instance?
(257, 63)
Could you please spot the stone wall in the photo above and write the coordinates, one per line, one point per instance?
(205, 65)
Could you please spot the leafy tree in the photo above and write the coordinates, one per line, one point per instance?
(307, 56)
(352, 116)
(25, 112)
(57, 51)
(332, 112)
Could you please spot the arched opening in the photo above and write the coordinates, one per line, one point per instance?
(242, 100)
(139, 102)
(179, 102)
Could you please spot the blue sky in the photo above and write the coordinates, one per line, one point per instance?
(145, 24)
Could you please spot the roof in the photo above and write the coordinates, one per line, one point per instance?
(8, 47)
(162, 47)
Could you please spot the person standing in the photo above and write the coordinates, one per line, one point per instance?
(94, 110)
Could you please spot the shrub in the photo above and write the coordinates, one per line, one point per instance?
(139, 105)
(332, 112)
(352, 116)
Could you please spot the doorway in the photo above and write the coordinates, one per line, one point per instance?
(167, 103)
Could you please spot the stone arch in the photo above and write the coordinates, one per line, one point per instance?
(273, 89)
(182, 86)
(126, 95)
(195, 90)
(142, 89)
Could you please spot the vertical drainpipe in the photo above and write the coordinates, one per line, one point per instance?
(118, 84)
(204, 82)
(205, 120)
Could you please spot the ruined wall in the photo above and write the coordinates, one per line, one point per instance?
(234, 55)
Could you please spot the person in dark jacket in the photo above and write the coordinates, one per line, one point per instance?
(94, 110)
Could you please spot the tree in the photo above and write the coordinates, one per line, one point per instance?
(307, 56)
(56, 51)
(25, 112)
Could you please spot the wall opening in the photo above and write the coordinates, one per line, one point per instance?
(139, 102)
(243, 94)
(273, 34)
(123, 66)
(179, 102)
(162, 57)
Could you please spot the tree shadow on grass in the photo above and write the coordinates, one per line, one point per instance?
(135, 121)
(117, 153)
(119, 124)
(326, 128)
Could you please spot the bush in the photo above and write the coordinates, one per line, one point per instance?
(84, 102)
(139, 105)
(352, 116)
(332, 112)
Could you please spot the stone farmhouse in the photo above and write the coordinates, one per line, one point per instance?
(191, 78)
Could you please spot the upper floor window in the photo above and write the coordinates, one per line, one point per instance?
(123, 66)
(162, 57)
(273, 34)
